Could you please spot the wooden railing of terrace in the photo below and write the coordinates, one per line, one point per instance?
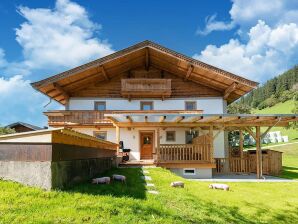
(271, 163)
(199, 152)
(184, 153)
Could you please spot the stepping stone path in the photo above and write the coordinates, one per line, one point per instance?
(151, 186)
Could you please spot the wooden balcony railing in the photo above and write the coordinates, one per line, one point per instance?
(175, 153)
(58, 118)
(77, 117)
(146, 87)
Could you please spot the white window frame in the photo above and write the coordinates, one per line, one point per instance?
(189, 174)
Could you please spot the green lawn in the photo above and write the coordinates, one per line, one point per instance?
(281, 108)
(130, 203)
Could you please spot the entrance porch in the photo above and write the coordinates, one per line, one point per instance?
(200, 156)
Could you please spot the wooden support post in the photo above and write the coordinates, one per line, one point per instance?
(158, 144)
(211, 144)
(258, 152)
(241, 148)
(117, 138)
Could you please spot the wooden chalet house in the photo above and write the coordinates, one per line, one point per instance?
(166, 107)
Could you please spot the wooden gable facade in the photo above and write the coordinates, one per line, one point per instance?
(146, 60)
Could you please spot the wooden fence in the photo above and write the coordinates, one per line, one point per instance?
(271, 163)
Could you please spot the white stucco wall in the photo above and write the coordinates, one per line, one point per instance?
(131, 138)
(209, 105)
(41, 137)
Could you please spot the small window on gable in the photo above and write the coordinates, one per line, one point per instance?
(100, 105)
(189, 171)
(170, 136)
(146, 105)
(100, 135)
(190, 105)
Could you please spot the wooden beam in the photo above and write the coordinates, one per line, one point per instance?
(241, 141)
(147, 60)
(211, 143)
(210, 119)
(158, 143)
(189, 71)
(258, 152)
(114, 120)
(195, 119)
(251, 133)
(178, 119)
(162, 118)
(129, 118)
(103, 71)
(230, 89)
(117, 137)
(269, 128)
(62, 91)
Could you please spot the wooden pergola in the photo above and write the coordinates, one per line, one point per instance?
(211, 124)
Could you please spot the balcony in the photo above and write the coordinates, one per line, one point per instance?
(62, 118)
(137, 88)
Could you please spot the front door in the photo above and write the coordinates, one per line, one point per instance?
(147, 145)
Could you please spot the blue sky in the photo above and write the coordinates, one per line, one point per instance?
(40, 38)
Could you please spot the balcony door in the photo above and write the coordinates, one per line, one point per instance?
(146, 144)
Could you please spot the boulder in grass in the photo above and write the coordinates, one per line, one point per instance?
(101, 180)
(119, 178)
(177, 184)
(224, 187)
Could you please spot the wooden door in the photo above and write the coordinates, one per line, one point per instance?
(147, 144)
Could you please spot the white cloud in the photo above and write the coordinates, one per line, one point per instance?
(268, 52)
(267, 41)
(20, 102)
(51, 40)
(213, 25)
(245, 14)
(62, 37)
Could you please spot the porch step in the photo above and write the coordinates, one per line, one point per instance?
(138, 163)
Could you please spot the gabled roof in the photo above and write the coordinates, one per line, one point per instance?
(146, 53)
(33, 127)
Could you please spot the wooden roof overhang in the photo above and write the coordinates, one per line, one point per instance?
(145, 54)
(200, 120)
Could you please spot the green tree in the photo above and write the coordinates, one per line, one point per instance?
(5, 131)
(239, 108)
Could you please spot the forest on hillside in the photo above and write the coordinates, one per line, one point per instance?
(279, 89)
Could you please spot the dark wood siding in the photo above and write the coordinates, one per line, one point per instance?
(25, 152)
(50, 152)
(62, 152)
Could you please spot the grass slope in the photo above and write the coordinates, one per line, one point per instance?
(281, 108)
(130, 203)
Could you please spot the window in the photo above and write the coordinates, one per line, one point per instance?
(190, 105)
(190, 135)
(189, 171)
(146, 105)
(170, 136)
(100, 135)
(100, 105)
